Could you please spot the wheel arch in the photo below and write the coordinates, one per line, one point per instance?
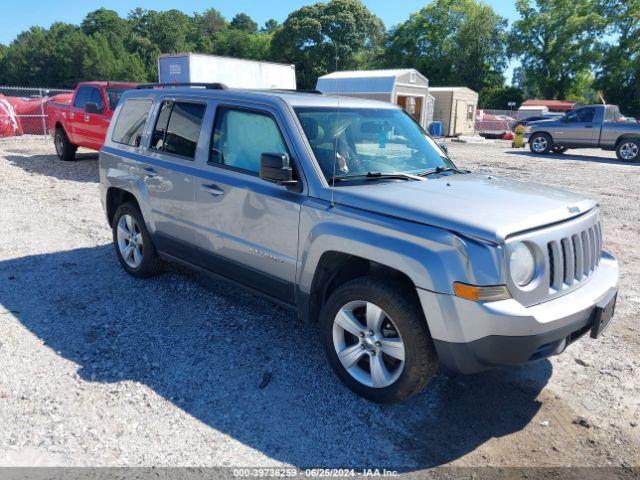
(60, 126)
(115, 197)
(541, 132)
(336, 268)
(627, 136)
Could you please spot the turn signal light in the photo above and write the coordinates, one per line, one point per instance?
(476, 293)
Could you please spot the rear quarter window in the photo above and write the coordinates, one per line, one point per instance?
(131, 121)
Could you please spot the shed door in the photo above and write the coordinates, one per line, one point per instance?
(413, 105)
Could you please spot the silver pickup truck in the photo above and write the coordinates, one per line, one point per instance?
(593, 126)
(346, 211)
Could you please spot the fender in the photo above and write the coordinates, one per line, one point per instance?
(432, 258)
(122, 172)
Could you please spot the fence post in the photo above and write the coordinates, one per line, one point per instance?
(44, 120)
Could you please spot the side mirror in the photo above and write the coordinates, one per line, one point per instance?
(276, 168)
(444, 148)
(92, 107)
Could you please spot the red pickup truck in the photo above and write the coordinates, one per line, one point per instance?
(84, 121)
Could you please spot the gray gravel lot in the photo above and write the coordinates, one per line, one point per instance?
(101, 369)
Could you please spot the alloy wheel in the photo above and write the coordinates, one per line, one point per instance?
(129, 239)
(368, 344)
(629, 151)
(539, 144)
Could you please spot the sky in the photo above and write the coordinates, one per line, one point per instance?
(26, 13)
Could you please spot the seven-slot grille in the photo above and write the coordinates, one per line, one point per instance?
(575, 257)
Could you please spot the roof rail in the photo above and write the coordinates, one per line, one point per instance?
(302, 90)
(208, 86)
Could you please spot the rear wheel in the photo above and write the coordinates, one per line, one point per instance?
(540, 143)
(628, 150)
(64, 148)
(134, 248)
(377, 341)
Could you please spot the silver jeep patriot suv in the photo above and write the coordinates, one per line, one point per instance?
(345, 210)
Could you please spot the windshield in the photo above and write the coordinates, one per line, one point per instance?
(113, 96)
(369, 140)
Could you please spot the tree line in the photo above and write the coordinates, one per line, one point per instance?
(565, 49)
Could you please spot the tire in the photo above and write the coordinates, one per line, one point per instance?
(540, 143)
(130, 235)
(560, 149)
(64, 148)
(628, 150)
(413, 362)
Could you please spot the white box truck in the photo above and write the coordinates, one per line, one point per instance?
(527, 111)
(233, 72)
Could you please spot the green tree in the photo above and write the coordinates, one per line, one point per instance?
(269, 26)
(105, 21)
(168, 31)
(208, 31)
(618, 74)
(320, 38)
(243, 22)
(499, 97)
(241, 44)
(555, 41)
(452, 42)
(28, 59)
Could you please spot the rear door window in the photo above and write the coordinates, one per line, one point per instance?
(131, 121)
(178, 128)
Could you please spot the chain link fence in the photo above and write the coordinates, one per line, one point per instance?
(23, 110)
(495, 123)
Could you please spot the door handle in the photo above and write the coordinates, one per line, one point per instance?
(86, 118)
(149, 172)
(212, 190)
(588, 126)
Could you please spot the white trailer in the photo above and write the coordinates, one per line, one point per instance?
(233, 72)
(527, 111)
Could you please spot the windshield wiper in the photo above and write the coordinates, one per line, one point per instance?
(377, 176)
(441, 169)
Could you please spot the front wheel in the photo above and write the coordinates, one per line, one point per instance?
(628, 150)
(540, 143)
(64, 148)
(377, 341)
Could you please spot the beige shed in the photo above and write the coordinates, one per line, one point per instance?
(456, 108)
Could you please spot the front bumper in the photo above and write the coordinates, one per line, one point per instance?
(473, 336)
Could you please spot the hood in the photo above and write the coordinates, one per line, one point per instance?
(548, 121)
(476, 205)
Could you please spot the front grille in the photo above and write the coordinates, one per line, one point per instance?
(574, 258)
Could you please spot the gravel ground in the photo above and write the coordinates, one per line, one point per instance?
(102, 369)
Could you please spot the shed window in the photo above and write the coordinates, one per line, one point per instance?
(412, 77)
(470, 110)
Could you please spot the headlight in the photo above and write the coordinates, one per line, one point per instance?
(522, 264)
(528, 129)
